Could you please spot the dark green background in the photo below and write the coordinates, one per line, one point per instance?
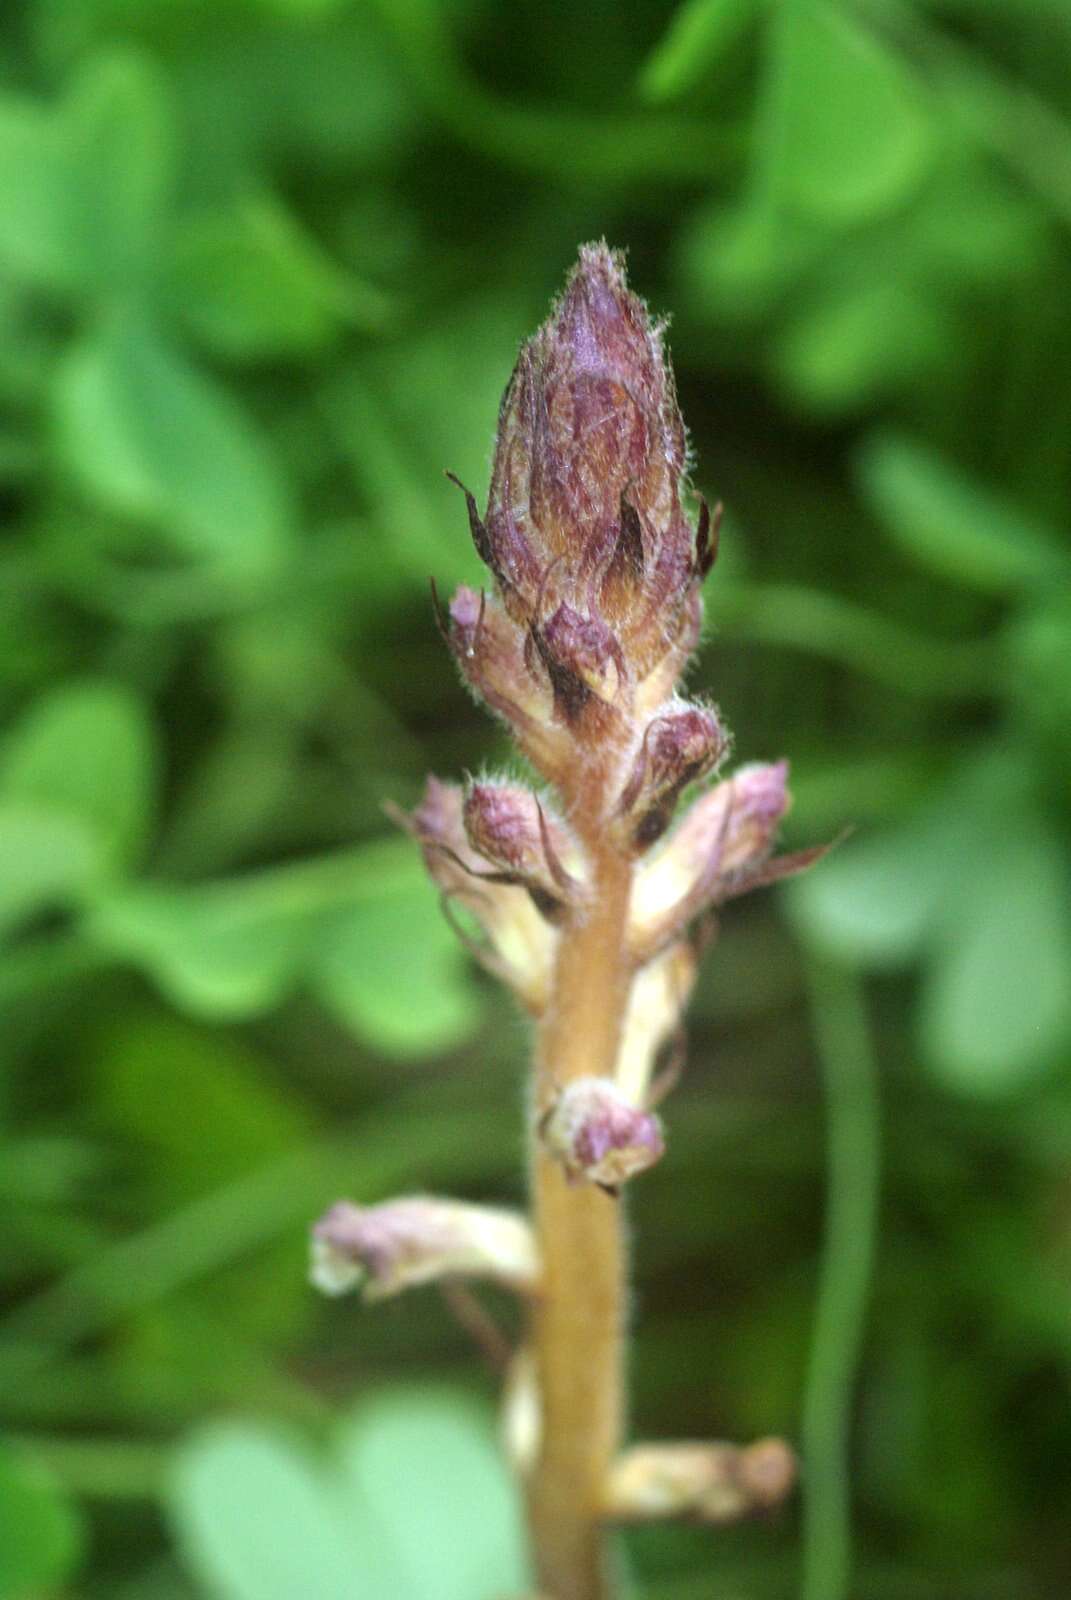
(264, 268)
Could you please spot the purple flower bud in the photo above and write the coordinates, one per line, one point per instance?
(521, 943)
(678, 747)
(599, 1136)
(507, 825)
(418, 1239)
(589, 461)
(490, 650)
(720, 849)
(583, 660)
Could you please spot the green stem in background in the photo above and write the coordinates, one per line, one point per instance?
(547, 140)
(798, 618)
(850, 1080)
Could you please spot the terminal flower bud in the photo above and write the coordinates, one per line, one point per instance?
(600, 1136)
(384, 1249)
(595, 564)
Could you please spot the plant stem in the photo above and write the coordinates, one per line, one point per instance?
(850, 1080)
(577, 1322)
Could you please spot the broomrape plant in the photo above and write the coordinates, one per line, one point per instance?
(593, 906)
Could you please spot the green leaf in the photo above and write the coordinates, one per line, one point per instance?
(152, 439)
(255, 1521)
(38, 232)
(251, 283)
(393, 972)
(118, 128)
(87, 751)
(40, 1533)
(953, 525)
(425, 1468)
(219, 952)
(856, 340)
(996, 1006)
(739, 262)
(700, 33)
(46, 860)
(83, 184)
(873, 902)
(202, 1107)
(364, 927)
(416, 1505)
(851, 134)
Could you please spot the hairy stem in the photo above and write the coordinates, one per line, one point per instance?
(578, 1320)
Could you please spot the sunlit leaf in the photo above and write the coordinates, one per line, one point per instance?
(416, 1504)
(392, 970)
(151, 438)
(38, 233)
(40, 1533)
(255, 1521)
(852, 134)
(118, 127)
(997, 1004)
(426, 1468)
(876, 898)
(47, 859)
(87, 751)
(218, 952)
(858, 339)
(251, 283)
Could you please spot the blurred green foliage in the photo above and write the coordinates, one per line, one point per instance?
(264, 265)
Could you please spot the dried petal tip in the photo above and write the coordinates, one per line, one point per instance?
(599, 1136)
(706, 1482)
(387, 1248)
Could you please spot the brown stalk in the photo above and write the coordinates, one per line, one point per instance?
(577, 1325)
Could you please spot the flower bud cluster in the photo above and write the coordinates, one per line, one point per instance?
(596, 569)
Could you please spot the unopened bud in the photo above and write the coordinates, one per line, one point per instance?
(490, 650)
(521, 940)
(595, 565)
(600, 1136)
(708, 1482)
(681, 745)
(757, 807)
(720, 849)
(507, 825)
(418, 1239)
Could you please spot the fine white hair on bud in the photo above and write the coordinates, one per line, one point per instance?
(599, 1135)
(419, 1239)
